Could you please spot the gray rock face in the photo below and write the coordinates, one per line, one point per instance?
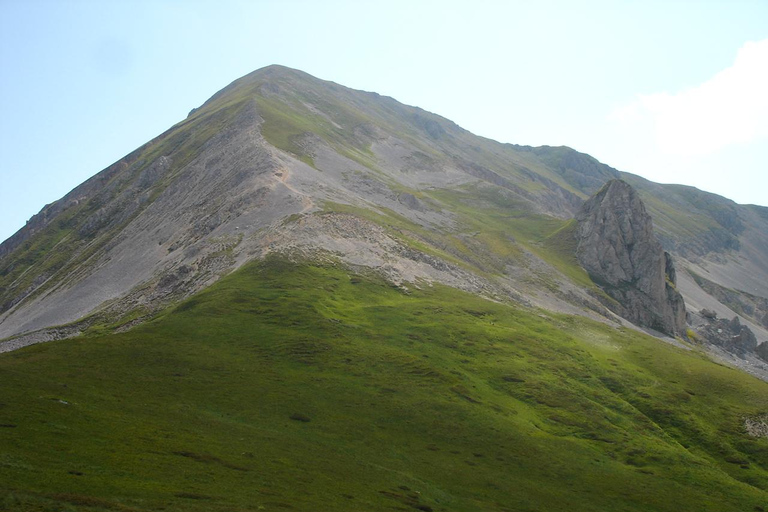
(618, 249)
(732, 336)
(762, 351)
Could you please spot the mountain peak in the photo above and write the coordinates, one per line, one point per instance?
(245, 84)
(277, 71)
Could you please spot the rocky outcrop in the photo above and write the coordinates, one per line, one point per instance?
(762, 351)
(730, 335)
(617, 247)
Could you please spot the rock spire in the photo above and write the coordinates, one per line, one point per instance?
(618, 249)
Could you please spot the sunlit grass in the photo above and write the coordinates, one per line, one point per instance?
(296, 386)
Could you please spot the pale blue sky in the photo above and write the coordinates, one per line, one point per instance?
(653, 88)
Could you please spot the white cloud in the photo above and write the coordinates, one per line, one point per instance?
(729, 109)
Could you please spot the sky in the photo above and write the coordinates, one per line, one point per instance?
(674, 91)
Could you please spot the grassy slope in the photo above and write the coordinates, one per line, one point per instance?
(501, 228)
(430, 400)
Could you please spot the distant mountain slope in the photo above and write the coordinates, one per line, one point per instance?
(279, 161)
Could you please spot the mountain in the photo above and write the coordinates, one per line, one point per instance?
(249, 172)
(380, 309)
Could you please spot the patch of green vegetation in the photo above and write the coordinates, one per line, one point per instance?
(299, 386)
(504, 225)
(294, 217)
(676, 220)
(287, 119)
(395, 224)
(561, 253)
(496, 208)
(693, 220)
(721, 210)
(38, 256)
(450, 247)
(284, 128)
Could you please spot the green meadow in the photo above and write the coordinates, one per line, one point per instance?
(302, 386)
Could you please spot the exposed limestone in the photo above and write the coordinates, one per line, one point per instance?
(731, 335)
(42, 336)
(616, 245)
(756, 426)
(762, 351)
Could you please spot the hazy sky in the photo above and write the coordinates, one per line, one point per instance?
(673, 91)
